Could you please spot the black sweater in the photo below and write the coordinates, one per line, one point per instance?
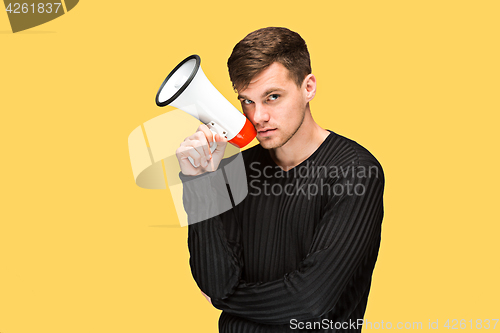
(299, 250)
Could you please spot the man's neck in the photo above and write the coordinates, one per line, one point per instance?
(302, 144)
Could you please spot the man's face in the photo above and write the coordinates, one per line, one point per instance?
(275, 105)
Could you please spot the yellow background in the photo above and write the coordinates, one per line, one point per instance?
(83, 249)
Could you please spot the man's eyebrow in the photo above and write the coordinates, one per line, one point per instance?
(264, 94)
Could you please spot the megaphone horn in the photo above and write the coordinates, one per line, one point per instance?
(187, 88)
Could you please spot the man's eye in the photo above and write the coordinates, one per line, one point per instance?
(273, 97)
(247, 101)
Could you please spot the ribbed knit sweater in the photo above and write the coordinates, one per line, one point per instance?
(299, 251)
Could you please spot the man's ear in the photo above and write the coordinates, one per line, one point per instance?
(309, 86)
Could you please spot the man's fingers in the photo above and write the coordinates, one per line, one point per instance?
(201, 147)
(208, 133)
(203, 134)
(205, 144)
(208, 298)
(196, 147)
(189, 151)
(220, 138)
(221, 143)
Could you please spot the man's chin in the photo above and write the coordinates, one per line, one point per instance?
(270, 143)
(265, 143)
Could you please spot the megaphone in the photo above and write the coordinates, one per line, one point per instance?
(187, 88)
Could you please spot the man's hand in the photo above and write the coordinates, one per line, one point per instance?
(208, 298)
(197, 146)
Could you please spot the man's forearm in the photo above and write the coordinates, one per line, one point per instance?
(214, 264)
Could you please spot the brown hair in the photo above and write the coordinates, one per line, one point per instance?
(261, 48)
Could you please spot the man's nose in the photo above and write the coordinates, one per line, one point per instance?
(261, 114)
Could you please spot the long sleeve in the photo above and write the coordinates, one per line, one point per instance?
(215, 262)
(349, 228)
(215, 256)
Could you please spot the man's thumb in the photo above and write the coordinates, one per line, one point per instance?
(221, 143)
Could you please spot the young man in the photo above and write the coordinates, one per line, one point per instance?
(299, 250)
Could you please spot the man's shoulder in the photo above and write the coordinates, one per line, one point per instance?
(342, 151)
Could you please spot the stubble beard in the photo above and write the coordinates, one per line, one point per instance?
(287, 137)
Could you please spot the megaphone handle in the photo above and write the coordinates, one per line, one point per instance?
(214, 128)
(213, 145)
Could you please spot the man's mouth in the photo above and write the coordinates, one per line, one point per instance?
(266, 131)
